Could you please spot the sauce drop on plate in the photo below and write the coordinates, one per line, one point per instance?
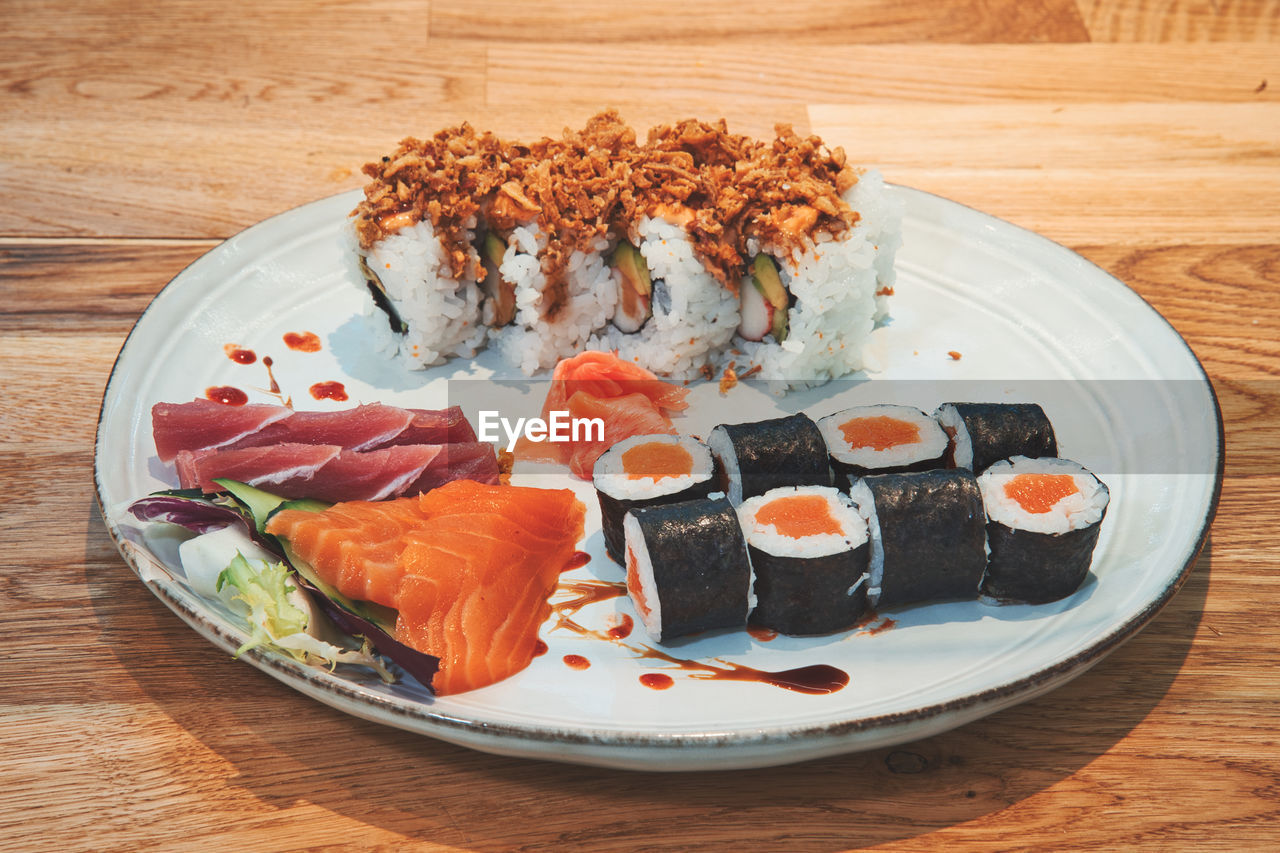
(302, 341)
(657, 680)
(226, 395)
(576, 662)
(329, 391)
(239, 355)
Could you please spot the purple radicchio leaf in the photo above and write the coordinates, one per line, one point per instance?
(420, 665)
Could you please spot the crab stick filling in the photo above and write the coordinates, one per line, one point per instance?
(879, 432)
(798, 516)
(1038, 493)
(656, 460)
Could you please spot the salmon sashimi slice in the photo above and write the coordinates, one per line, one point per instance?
(353, 546)
(468, 566)
(478, 576)
(627, 398)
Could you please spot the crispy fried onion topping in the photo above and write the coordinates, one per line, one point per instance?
(723, 188)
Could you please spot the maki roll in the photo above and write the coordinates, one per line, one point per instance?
(1044, 516)
(928, 535)
(687, 567)
(648, 470)
(753, 458)
(810, 556)
(881, 440)
(981, 434)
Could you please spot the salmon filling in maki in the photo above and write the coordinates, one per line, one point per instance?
(657, 460)
(879, 432)
(1039, 493)
(799, 515)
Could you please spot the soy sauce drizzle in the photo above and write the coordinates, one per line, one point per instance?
(815, 679)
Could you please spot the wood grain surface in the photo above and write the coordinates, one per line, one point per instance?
(134, 137)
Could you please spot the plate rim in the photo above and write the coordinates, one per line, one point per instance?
(423, 718)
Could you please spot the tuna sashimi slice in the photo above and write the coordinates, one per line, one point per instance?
(322, 471)
(361, 428)
(205, 425)
(277, 469)
(462, 461)
(435, 426)
(373, 475)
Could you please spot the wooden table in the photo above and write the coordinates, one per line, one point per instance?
(133, 138)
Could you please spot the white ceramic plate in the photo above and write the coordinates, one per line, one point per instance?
(1028, 318)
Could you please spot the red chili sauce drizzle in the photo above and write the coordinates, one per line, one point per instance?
(329, 391)
(657, 680)
(577, 561)
(762, 635)
(226, 395)
(539, 649)
(275, 386)
(302, 341)
(238, 355)
(576, 662)
(623, 629)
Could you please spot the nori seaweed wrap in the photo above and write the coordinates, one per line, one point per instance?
(884, 439)
(984, 433)
(630, 475)
(1044, 519)
(753, 458)
(928, 535)
(687, 567)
